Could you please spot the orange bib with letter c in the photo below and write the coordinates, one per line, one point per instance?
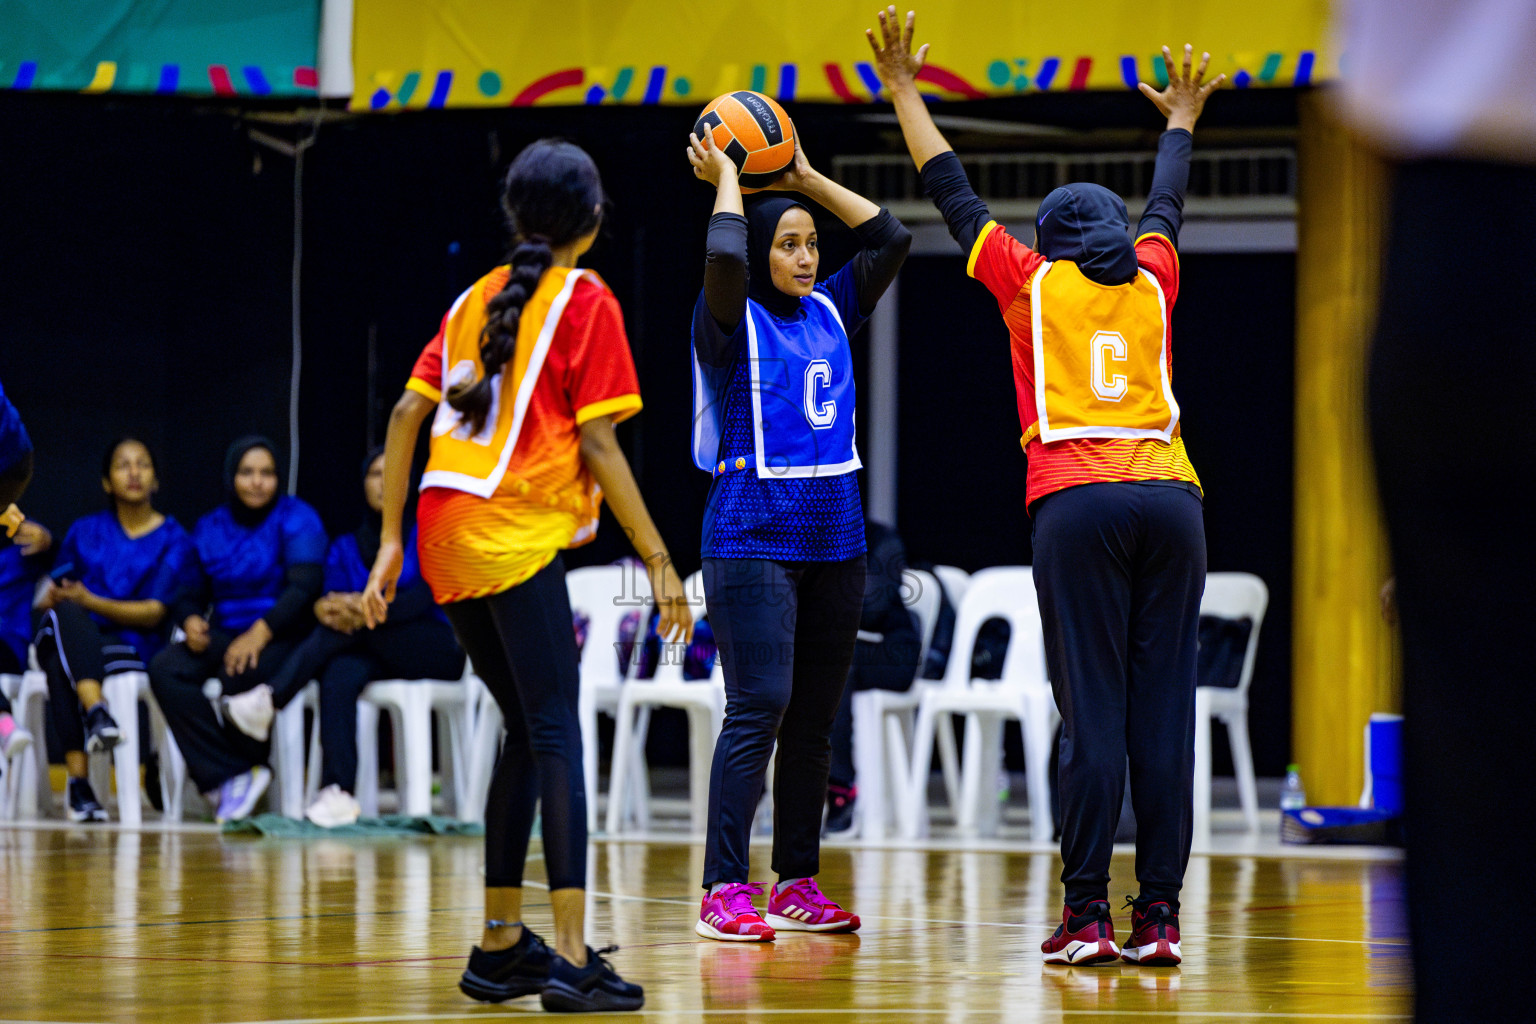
(1101, 357)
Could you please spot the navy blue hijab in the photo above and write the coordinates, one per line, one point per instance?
(1087, 224)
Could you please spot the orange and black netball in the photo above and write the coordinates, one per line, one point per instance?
(754, 131)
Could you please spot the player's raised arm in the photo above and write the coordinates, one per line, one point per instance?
(1182, 101)
(943, 178)
(897, 65)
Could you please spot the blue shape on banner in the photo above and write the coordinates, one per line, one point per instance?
(788, 81)
(1047, 73)
(1304, 68)
(871, 79)
(1128, 73)
(25, 75)
(653, 86)
(379, 100)
(440, 90)
(256, 80)
(1241, 79)
(170, 75)
(595, 95)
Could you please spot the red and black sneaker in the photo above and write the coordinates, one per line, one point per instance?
(1084, 937)
(1154, 940)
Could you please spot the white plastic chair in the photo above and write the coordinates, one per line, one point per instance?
(122, 692)
(703, 700)
(882, 724)
(955, 581)
(289, 745)
(1229, 595)
(413, 703)
(1021, 693)
(605, 594)
(27, 786)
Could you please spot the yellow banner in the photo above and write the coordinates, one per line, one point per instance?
(413, 54)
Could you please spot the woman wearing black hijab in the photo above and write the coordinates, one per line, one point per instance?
(415, 642)
(258, 570)
(784, 527)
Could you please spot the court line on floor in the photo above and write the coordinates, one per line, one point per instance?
(949, 1012)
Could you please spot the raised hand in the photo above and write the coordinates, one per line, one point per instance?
(1184, 98)
(709, 161)
(895, 62)
(799, 176)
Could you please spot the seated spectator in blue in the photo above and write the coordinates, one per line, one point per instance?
(884, 658)
(258, 570)
(22, 564)
(415, 642)
(106, 610)
(15, 464)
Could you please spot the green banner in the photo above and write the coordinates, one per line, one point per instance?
(189, 47)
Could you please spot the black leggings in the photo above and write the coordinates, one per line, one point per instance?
(215, 750)
(1119, 570)
(786, 632)
(522, 644)
(345, 663)
(71, 646)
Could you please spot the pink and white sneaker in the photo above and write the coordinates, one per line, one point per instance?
(729, 915)
(803, 907)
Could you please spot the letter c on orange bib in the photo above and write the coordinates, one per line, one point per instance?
(754, 131)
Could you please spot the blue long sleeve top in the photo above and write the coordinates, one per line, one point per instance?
(111, 564)
(271, 571)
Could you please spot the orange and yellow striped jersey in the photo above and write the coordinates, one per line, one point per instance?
(1092, 364)
(498, 505)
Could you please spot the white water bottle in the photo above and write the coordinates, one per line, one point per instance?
(1293, 796)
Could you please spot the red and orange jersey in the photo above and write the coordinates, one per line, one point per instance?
(496, 506)
(1092, 364)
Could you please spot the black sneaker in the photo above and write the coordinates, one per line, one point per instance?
(519, 970)
(101, 732)
(586, 989)
(80, 802)
(840, 800)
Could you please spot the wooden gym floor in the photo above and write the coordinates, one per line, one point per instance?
(187, 925)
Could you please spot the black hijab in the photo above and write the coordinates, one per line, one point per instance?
(1087, 224)
(243, 513)
(763, 216)
(370, 531)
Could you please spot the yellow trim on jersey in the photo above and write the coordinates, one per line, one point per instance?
(1159, 234)
(424, 389)
(620, 408)
(1030, 434)
(970, 264)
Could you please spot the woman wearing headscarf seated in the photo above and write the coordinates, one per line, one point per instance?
(106, 609)
(258, 571)
(415, 642)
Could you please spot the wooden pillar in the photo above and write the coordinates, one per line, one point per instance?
(1343, 659)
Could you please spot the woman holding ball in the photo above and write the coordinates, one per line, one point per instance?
(783, 540)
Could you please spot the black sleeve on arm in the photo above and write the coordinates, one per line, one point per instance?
(301, 585)
(885, 241)
(1164, 214)
(725, 269)
(946, 184)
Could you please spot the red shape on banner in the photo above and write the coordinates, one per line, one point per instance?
(218, 74)
(548, 84)
(839, 86)
(1080, 73)
(946, 79)
(306, 78)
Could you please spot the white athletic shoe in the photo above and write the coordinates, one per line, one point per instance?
(333, 806)
(252, 711)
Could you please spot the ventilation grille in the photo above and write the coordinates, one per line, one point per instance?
(1265, 175)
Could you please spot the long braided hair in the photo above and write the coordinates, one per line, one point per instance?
(552, 196)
